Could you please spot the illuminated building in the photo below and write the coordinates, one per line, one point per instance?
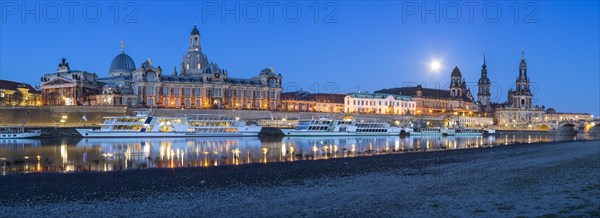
(484, 94)
(18, 94)
(379, 103)
(308, 102)
(430, 101)
(69, 87)
(200, 84)
(519, 109)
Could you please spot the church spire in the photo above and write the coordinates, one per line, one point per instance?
(484, 58)
(484, 67)
(523, 65)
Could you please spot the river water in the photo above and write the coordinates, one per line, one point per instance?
(78, 155)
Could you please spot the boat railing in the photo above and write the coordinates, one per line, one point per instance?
(143, 113)
(205, 116)
(12, 130)
(211, 121)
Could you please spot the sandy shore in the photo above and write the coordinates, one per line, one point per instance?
(551, 179)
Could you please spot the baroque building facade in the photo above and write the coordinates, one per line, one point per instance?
(484, 94)
(457, 99)
(117, 87)
(69, 87)
(19, 94)
(312, 102)
(379, 103)
(200, 84)
(519, 109)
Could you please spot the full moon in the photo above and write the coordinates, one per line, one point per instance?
(435, 66)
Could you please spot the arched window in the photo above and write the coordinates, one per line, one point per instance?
(150, 77)
(272, 82)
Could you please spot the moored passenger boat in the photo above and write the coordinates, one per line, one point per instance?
(18, 133)
(443, 132)
(325, 126)
(489, 131)
(189, 125)
(423, 131)
(468, 132)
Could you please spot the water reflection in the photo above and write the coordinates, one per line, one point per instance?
(67, 155)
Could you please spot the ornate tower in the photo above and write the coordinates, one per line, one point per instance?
(195, 40)
(456, 83)
(122, 64)
(194, 60)
(483, 94)
(521, 97)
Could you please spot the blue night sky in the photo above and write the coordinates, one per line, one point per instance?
(364, 45)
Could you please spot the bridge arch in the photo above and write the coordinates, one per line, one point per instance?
(543, 127)
(567, 127)
(595, 129)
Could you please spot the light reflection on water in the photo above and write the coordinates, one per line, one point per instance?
(74, 155)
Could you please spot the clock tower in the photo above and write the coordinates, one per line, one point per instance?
(483, 94)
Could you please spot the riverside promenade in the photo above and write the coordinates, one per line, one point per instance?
(543, 179)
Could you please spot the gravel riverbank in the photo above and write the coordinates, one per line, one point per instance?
(552, 179)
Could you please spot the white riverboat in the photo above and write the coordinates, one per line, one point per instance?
(489, 131)
(443, 132)
(18, 133)
(448, 131)
(325, 126)
(189, 125)
(468, 132)
(423, 131)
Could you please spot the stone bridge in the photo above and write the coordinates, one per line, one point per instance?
(580, 126)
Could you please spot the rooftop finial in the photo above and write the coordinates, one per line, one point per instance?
(523, 55)
(483, 57)
(195, 30)
(122, 46)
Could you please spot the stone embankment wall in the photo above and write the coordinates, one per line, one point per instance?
(261, 114)
(51, 116)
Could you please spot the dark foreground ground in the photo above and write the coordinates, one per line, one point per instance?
(552, 179)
